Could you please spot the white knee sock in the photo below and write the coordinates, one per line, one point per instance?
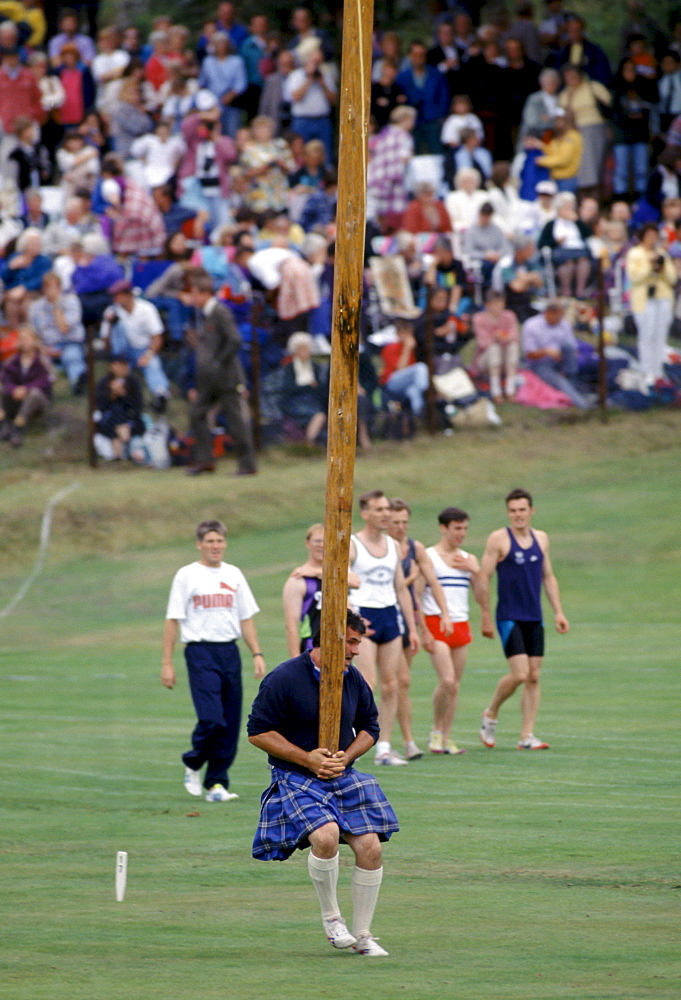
(324, 875)
(365, 889)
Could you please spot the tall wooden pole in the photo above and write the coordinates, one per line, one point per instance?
(354, 96)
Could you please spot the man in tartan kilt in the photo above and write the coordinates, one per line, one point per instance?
(317, 799)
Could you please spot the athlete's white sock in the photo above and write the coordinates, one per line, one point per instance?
(382, 746)
(324, 875)
(495, 385)
(365, 888)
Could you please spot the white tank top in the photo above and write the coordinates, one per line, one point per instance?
(377, 576)
(454, 582)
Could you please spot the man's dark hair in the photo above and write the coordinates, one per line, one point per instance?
(519, 494)
(205, 527)
(397, 503)
(200, 279)
(352, 621)
(364, 498)
(450, 514)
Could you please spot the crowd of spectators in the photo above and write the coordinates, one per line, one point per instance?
(511, 168)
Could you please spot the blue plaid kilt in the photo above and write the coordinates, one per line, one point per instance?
(294, 805)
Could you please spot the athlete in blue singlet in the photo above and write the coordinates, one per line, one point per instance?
(520, 557)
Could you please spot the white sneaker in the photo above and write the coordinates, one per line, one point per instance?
(337, 933)
(532, 743)
(488, 731)
(192, 781)
(389, 757)
(412, 752)
(218, 793)
(367, 945)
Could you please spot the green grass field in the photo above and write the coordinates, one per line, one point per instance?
(514, 877)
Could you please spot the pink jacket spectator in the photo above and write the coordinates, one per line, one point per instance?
(225, 153)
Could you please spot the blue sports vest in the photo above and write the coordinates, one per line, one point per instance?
(519, 579)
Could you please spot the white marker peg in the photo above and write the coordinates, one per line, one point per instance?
(121, 875)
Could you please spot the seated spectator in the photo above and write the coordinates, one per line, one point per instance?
(69, 34)
(404, 379)
(204, 170)
(303, 394)
(393, 149)
(57, 319)
(134, 330)
(443, 270)
(223, 73)
(502, 194)
(178, 102)
(497, 339)
(78, 163)
(128, 119)
(386, 94)
(30, 158)
(518, 276)
(550, 351)
(178, 218)
(267, 164)
(79, 87)
(426, 213)
(461, 117)
(319, 207)
(94, 132)
(568, 239)
(94, 270)
(26, 386)
(134, 221)
(484, 243)
(118, 414)
(159, 153)
(24, 269)
(464, 202)
(33, 215)
(447, 332)
(562, 154)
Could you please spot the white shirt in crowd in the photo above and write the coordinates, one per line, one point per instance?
(140, 325)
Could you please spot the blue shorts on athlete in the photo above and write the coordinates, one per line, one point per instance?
(384, 624)
(521, 638)
(295, 805)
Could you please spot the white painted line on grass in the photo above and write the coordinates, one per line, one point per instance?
(45, 529)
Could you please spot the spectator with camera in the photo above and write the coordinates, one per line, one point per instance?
(652, 274)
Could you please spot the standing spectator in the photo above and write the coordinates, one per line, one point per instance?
(30, 157)
(78, 164)
(487, 83)
(311, 91)
(539, 110)
(634, 96)
(428, 93)
(214, 607)
(224, 74)
(652, 275)
(305, 30)
(520, 80)
(118, 413)
(51, 99)
(128, 117)
(444, 56)
(204, 169)
(253, 51)
(225, 20)
(550, 351)
(157, 66)
(273, 100)
(562, 154)
(107, 67)
(394, 147)
(583, 96)
(70, 35)
(669, 92)
(26, 385)
(57, 319)
(526, 31)
(583, 53)
(133, 329)
(19, 91)
(79, 87)
(159, 154)
(497, 339)
(386, 94)
(461, 116)
(219, 379)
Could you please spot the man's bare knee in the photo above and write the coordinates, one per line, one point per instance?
(324, 841)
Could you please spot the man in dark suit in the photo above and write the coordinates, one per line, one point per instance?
(219, 379)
